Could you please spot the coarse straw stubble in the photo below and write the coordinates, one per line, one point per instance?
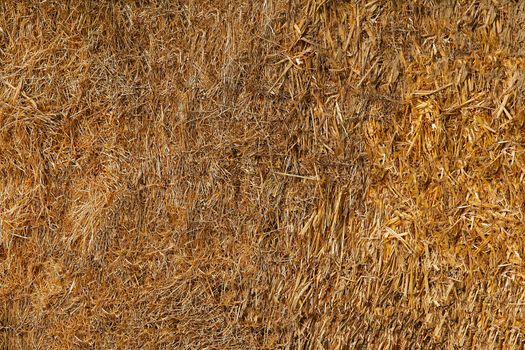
(304, 174)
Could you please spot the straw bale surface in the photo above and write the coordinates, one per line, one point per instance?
(304, 174)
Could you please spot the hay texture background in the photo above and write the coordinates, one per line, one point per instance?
(313, 174)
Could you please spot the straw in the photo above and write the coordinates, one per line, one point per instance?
(262, 174)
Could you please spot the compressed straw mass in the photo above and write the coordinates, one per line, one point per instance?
(304, 174)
